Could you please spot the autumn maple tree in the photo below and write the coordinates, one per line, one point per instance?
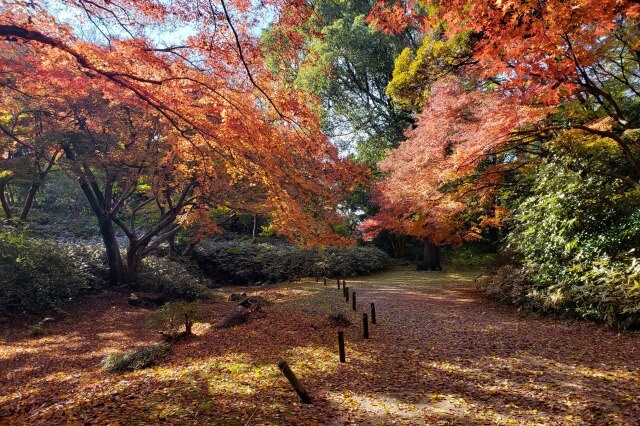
(440, 184)
(528, 71)
(177, 123)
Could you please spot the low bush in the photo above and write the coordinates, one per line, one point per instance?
(136, 359)
(470, 256)
(509, 284)
(36, 274)
(177, 278)
(576, 235)
(350, 261)
(175, 319)
(607, 291)
(241, 263)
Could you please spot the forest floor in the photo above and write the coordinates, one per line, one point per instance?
(440, 354)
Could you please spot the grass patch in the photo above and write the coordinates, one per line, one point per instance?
(136, 359)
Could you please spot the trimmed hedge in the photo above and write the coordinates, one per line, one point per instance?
(242, 263)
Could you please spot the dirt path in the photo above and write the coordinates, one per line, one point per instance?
(441, 354)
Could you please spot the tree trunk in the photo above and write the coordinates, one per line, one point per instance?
(172, 245)
(134, 257)
(116, 269)
(398, 243)
(431, 256)
(255, 227)
(3, 200)
(29, 200)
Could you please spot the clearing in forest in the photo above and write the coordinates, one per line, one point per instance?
(440, 354)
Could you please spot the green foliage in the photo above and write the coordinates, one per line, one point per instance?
(347, 63)
(351, 261)
(576, 234)
(173, 315)
(241, 263)
(37, 274)
(39, 329)
(470, 256)
(136, 359)
(415, 70)
(175, 277)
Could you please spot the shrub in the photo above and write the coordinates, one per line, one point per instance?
(136, 359)
(470, 256)
(576, 235)
(509, 284)
(177, 278)
(173, 315)
(37, 274)
(242, 263)
(39, 328)
(351, 261)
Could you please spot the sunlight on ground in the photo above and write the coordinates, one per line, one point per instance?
(440, 354)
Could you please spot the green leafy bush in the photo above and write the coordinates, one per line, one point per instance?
(242, 263)
(350, 261)
(576, 235)
(470, 256)
(37, 274)
(174, 315)
(137, 358)
(177, 278)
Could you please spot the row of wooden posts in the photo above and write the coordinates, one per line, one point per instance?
(290, 375)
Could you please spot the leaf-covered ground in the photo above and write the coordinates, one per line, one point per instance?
(441, 354)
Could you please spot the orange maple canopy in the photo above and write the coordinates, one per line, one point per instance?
(227, 121)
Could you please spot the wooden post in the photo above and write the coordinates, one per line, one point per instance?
(297, 386)
(365, 325)
(338, 283)
(346, 293)
(344, 283)
(373, 313)
(353, 300)
(317, 278)
(325, 281)
(344, 290)
(341, 346)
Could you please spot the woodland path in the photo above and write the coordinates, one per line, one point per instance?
(444, 354)
(441, 354)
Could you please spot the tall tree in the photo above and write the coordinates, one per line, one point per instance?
(440, 185)
(548, 53)
(576, 62)
(177, 125)
(347, 63)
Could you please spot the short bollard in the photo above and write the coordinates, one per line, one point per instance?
(341, 346)
(346, 293)
(344, 290)
(365, 326)
(344, 283)
(353, 300)
(297, 386)
(373, 313)
(325, 281)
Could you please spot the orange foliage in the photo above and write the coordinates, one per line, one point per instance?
(537, 48)
(441, 182)
(246, 140)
